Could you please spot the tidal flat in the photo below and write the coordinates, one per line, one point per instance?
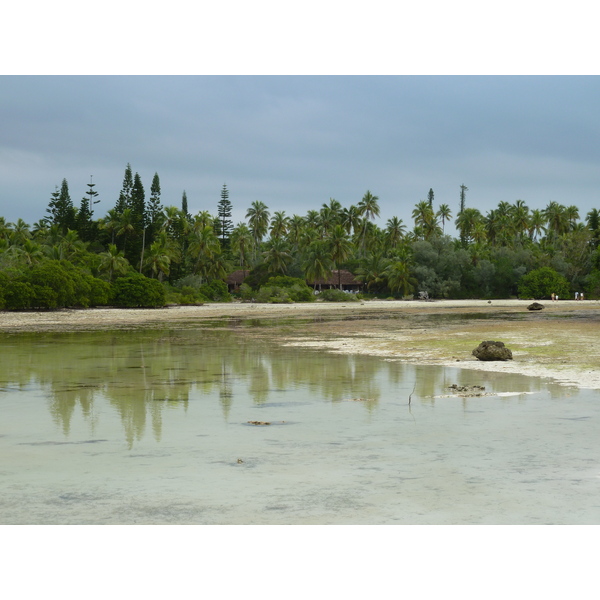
(293, 416)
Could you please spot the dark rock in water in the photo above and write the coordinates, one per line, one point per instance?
(492, 351)
(470, 389)
(535, 306)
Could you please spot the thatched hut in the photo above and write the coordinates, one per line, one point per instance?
(339, 279)
(235, 280)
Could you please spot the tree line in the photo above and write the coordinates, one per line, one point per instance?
(496, 255)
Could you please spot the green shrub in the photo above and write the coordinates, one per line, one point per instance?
(273, 295)
(335, 295)
(137, 291)
(53, 275)
(216, 291)
(592, 285)
(18, 295)
(44, 297)
(542, 283)
(295, 289)
(189, 281)
(99, 293)
(246, 292)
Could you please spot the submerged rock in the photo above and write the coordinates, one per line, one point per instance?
(471, 389)
(492, 351)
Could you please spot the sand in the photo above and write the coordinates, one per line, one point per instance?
(561, 342)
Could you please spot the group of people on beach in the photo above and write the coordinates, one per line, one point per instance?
(578, 296)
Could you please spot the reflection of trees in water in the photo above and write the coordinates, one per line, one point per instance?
(142, 374)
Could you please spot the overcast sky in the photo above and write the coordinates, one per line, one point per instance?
(294, 142)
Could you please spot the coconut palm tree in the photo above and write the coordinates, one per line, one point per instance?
(279, 224)
(312, 219)
(371, 270)
(466, 222)
(368, 209)
(5, 229)
(399, 278)
(593, 223)
(109, 223)
(19, 233)
(317, 263)
(520, 218)
(572, 214)
(422, 213)
(277, 256)
(258, 220)
(204, 246)
(536, 224)
(395, 231)
(203, 219)
(113, 262)
(241, 244)
(29, 253)
(161, 254)
(330, 215)
(340, 248)
(171, 219)
(126, 225)
(350, 219)
(556, 218)
(295, 228)
(445, 214)
(70, 246)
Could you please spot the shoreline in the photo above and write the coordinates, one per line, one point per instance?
(560, 342)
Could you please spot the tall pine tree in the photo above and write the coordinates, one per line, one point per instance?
(84, 220)
(60, 208)
(138, 213)
(184, 206)
(463, 194)
(92, 194)
(124, 200)
(86, 228)
(154, 211)
(224, 217)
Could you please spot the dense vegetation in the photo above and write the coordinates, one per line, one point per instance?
(141, 253)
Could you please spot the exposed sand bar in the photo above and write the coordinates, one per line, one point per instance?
(561, 342)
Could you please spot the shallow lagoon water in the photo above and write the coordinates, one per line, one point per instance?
(149, 426)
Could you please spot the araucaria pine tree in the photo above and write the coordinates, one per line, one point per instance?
(138, 203)
(224, 217)
(463, 190)
(124, 200)
(154, 210)
(184, 206)
(60, 208)
(84, 221)
(138, 219)
(86, 228)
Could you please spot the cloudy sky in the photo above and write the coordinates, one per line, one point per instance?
(294, 142)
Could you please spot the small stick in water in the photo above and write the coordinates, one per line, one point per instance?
(413, 391)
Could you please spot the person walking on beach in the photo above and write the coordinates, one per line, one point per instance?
(576, 295)
(552, 296)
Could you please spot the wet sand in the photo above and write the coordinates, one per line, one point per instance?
(561, 342)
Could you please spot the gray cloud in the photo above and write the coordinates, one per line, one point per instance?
(294, 142)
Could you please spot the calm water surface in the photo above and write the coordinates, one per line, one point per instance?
(154, 427)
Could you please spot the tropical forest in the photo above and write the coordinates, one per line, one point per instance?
(143, 254)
